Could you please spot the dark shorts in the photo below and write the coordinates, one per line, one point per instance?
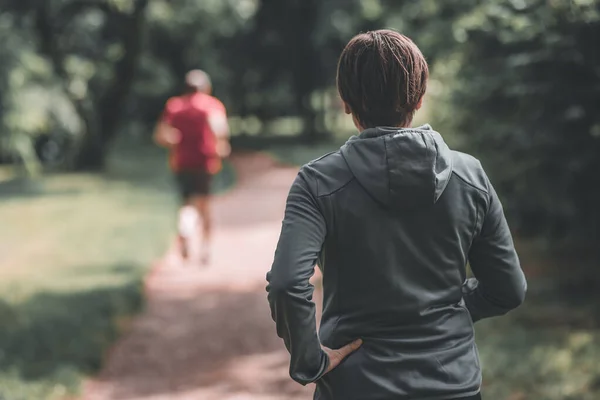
(193, 183)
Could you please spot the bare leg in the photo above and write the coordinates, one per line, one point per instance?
(187, 223)
(182, 245)
(202, 206)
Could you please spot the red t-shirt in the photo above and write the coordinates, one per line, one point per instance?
(197, 147)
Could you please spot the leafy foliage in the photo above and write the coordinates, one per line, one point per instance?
(73, 65)
(516, 81)
(522, 89)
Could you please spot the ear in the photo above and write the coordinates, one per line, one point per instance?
(347, 109)
(420, 103)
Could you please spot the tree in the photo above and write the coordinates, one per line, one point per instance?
(522, 90)
(59, 29)
(93, 47)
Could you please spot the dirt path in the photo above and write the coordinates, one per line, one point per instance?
(207, 332)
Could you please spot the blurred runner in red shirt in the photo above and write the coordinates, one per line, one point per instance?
(194, 128)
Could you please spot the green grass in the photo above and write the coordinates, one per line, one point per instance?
(73, 251)
(548, 349)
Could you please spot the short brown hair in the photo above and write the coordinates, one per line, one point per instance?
(382, 76)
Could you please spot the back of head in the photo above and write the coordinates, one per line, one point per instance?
(382, 77)
(198, 81)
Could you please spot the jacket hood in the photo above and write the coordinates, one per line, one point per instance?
(400, 168)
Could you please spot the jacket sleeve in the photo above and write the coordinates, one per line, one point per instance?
(289, 290)
(499, 284)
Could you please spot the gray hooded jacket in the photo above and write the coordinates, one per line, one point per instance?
(392, 218)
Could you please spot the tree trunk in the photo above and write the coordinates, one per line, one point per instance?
(91, 157)
(90, 153)
(310, 130)
(101, 117)
(305, 63)
(112, 103)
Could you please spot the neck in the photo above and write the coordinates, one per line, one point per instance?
(402, 126)
(361, 128)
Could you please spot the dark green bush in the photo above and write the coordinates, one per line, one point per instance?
(522, 90)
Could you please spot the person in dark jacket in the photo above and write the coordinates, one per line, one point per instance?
(392, 218)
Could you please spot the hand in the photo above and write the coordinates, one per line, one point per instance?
(167, 136)
(172, 137)
(223, 148)
(338, 355)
